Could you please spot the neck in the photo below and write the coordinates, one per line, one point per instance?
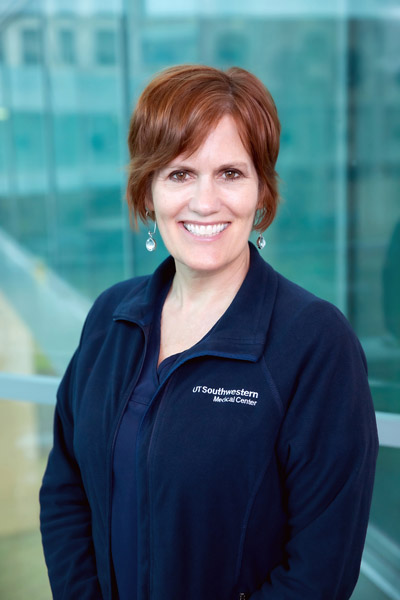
(192, 289)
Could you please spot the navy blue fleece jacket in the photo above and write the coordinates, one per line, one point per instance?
(255, 458)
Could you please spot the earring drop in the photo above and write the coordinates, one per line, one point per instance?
(150, 243)
(260, 242)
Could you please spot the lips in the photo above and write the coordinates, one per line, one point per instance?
(205, 230)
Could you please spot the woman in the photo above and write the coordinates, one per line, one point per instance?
(214, 432)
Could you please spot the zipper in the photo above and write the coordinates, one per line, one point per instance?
(165, 385)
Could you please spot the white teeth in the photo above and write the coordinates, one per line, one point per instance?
(205, 230)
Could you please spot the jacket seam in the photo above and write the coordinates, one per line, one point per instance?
(246, 518)
(271, 385)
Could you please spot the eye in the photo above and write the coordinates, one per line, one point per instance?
(179, 176)
(231, 174)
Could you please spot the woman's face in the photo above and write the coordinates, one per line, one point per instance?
(205, 204)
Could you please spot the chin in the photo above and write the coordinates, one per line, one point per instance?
(205, 265)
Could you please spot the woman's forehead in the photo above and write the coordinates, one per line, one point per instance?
(213, 134)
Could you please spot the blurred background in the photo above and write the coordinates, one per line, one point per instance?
(70, 73)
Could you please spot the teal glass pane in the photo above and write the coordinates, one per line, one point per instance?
(381, 559)
(373, 199)
(69, 79)
(67, 46)
(106, 47)
(25, 442)
(32, 46)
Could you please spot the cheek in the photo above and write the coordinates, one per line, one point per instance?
(156, 200)
(168, 204)
(165, 214)
(253, 202)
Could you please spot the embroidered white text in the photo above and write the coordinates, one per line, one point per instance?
(223, 395)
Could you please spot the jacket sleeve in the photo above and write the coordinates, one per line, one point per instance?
(65, 513)
(327, 449)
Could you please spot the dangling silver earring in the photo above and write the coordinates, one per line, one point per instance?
(260, 242)
(150, 243)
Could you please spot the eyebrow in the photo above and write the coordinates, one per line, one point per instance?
(229, 165)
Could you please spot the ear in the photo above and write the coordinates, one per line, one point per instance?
(149, 203)
(260, 203)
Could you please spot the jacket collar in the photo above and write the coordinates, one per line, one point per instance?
(240, 332)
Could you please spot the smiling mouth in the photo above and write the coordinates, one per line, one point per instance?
(205, 230)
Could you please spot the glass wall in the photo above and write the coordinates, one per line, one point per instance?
(70, 73)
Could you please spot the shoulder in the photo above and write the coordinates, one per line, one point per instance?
(312, 352)
(100, 316)
(308, 333)
(305, 315)
(288, 310)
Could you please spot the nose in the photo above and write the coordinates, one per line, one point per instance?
(205, 199)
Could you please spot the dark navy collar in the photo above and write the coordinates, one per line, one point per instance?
(241, 330)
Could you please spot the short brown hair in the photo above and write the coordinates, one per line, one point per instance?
(179, 108)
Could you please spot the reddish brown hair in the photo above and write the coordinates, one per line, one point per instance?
(179, 108)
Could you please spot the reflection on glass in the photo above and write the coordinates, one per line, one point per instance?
(32, 51)
(24, 444)
(68, 80)
(106, 47)
(391, 285)
(67, 46)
